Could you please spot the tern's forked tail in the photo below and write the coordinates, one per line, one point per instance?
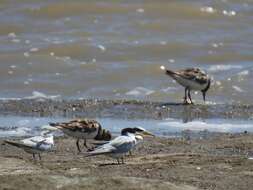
(12, 143)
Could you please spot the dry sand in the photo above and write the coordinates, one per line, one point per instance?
(220, 162)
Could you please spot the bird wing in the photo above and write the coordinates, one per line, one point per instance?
(99, 143)
(193, 74)
(33, 140)
(18, 144)
(37, 141)
(104, 149)
(120, 144)
(82, 125)
(121, 140)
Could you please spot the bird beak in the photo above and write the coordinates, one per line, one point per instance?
(204, 96)
(146, 133)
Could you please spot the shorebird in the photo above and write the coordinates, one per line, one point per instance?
(83, 129)
(118, 147)
(191, 79)
(35, 145)
(138, 139)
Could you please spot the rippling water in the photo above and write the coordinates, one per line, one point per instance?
(113, 49)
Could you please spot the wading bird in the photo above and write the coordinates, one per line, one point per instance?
(191, 79)
(83, 129)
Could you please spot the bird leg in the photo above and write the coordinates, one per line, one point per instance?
(130, 153)
(77, 145)
(189, 95)
(39, 156)
(118, 161)
(185, 95)
(34, 158)
(87, 147)
(122, 160)
(85, 144)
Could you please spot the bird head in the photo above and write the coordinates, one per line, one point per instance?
(143, 132)
(137, 131)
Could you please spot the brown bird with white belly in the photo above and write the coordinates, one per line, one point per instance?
(192, 79)
(83, 129)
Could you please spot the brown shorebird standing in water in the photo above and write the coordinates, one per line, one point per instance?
(191, 79)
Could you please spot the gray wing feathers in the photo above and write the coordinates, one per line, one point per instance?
(105, 149)
(121, 144)
(17, 144)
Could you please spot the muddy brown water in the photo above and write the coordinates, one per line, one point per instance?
(113, 49)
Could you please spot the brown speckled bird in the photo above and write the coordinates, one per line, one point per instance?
(83, 129)
(191, 79)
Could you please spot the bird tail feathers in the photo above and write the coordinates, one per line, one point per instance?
(89, 154)
(13, 143)
(170, 72)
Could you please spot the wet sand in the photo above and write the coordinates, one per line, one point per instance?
(126, 109)
(220, 162)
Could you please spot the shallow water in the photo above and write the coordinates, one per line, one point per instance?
(26, 126)
(113, 49)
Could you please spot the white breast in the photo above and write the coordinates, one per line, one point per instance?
(191, 84)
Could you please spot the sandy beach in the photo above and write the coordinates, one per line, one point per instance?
(220, 162)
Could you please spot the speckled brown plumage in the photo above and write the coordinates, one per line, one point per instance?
(195, 74)
(83, 129)
(82, 125)
(191, 79)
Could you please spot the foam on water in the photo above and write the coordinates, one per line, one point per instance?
(23, 126)
(215, 68)
(169, 89)
(214, 125)
(40, 95)
(244, 73)
(238, 89)
(139, 91)
(208, 9)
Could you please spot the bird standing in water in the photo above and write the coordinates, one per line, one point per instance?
(191, 79)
